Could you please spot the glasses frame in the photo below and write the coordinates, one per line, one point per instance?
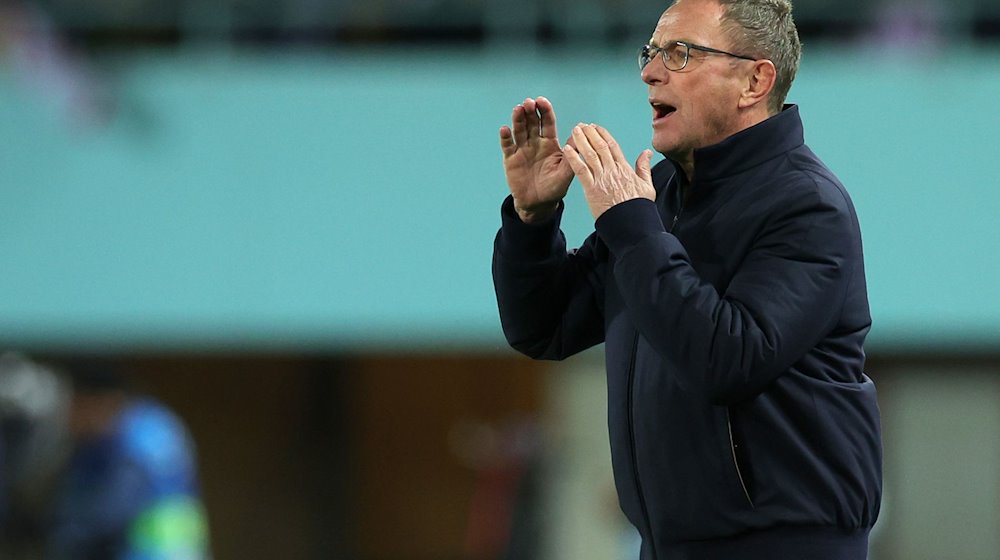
(647, 52)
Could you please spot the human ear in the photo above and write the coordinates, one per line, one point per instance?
(759, 83)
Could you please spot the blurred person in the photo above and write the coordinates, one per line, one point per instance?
(503, 519)
(33, 446)
(130, 491)
(49, 68)
(727, 284)
(908, 26)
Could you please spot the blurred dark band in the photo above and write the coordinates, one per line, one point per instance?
(95, 375)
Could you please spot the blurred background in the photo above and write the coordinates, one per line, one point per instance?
(269, 224)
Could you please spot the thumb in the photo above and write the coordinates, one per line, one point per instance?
(642, 166)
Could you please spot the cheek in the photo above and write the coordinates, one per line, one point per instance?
(703, 107)
(699, 120)
(717, 108)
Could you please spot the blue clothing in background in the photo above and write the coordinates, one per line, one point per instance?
(132, 494)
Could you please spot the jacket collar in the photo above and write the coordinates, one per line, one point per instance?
(750, 147)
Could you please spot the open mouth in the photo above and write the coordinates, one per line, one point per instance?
(661, 110)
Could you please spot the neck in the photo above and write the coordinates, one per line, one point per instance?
(685, 162)
(747, 120)
(687, 165)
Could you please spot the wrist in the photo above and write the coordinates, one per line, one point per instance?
(536, 214)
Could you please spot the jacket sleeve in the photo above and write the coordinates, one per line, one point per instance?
(550, 300)
(784, 298)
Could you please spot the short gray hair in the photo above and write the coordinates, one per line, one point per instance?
(765, 29)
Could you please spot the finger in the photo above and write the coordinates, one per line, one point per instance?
(520, 123)
(600, 145)
(585, 149)
(548, 118)
(579, 168)
(531, 117)
(616, 150)
(571, 141)
(507, 145)
(642, 167)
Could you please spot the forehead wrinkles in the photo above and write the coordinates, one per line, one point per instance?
(663, 26)
(698, 21)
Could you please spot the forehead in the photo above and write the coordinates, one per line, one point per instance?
(698, 21)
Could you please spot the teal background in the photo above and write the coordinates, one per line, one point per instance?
(348, 199)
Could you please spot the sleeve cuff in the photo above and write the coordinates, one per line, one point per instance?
(521, 241)
(626, 224)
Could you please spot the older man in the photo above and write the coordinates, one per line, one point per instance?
(728, 286)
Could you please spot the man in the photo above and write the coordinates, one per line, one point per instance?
(131, 489)
(728, 286)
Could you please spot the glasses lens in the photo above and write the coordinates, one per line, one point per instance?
(675, 56)
(644, 56)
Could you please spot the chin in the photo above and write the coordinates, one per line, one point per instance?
(662, 147)
(669, 149)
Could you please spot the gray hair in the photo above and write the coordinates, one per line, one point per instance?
(765, 29)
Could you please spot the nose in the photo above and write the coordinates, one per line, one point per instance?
(654, 72)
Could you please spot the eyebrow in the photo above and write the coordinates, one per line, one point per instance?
(655, 43)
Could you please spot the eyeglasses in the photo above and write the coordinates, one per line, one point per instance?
(676, 54)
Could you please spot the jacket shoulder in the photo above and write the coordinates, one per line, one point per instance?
(801, 178)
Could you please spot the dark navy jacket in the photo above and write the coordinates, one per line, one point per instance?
(742, 424)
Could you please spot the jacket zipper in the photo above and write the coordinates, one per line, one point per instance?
(739, 473)
(729, 424)
(680, 208)
(632, 444)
